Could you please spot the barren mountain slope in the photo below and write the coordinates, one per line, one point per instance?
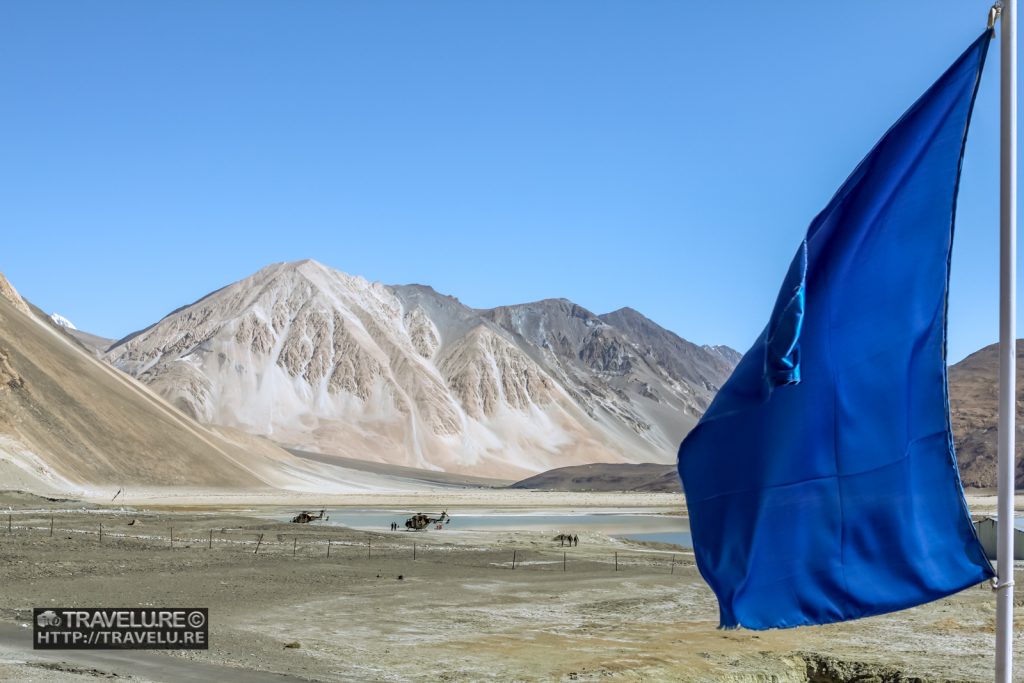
(974, 409)
(621, 368)
(681, 360)
(324, 361)
(96, 344)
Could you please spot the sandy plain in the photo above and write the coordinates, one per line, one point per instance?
(607, 610)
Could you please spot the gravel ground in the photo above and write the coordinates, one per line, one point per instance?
(458, 612)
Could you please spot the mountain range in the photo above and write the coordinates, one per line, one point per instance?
(72, 424)
(303, 378)
(319, 360)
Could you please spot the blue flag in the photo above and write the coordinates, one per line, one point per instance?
(822, 483)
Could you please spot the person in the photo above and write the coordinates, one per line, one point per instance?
(575, 539)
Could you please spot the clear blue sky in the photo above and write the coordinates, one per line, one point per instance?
(662, 155)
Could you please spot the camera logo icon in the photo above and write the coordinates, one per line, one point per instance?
(48, 618)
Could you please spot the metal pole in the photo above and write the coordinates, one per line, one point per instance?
(1007, 336)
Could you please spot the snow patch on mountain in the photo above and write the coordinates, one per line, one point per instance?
(60, 320)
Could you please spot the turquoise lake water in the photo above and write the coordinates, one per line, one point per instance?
(635, 525)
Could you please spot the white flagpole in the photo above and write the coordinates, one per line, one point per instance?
(1007, 336)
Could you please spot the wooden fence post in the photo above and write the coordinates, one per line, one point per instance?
(513, 559)
(258, 542)
(170, 540)
(563, 561)
(101, 532)
(209, 544)
(369, 542)
(51, 526)
(414, 551)
(8, 523)
(673, 564)
(616, 562)
(295, 542)
(328, 547)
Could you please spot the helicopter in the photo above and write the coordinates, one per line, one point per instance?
(420, 521)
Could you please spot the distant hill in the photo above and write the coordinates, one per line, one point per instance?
(92, 342)
(648, 477)
(974, 411)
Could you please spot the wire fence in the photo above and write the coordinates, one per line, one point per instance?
(350, 545)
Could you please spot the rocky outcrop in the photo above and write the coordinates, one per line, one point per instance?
(8, 292)
(827, 669)
(9, 378)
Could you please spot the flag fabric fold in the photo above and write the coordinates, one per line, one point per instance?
(821, 483)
